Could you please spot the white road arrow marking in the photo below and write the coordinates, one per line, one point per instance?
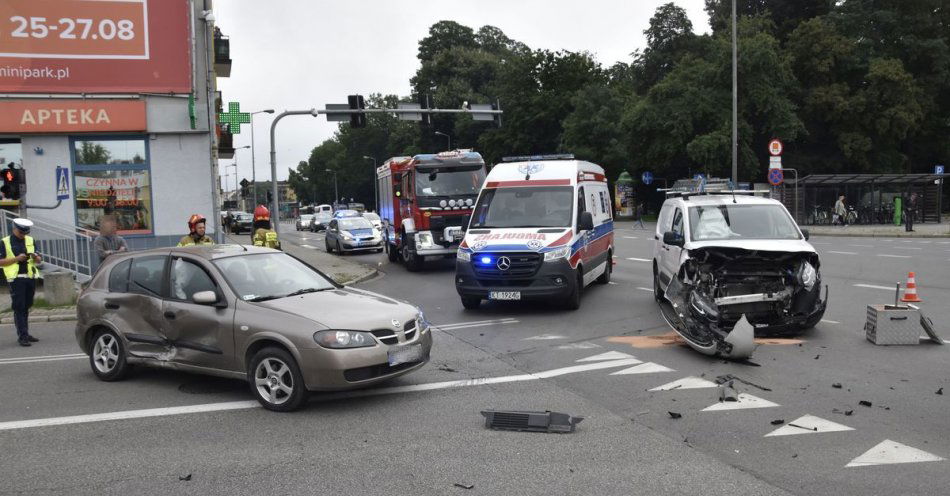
(889, 452)
(745, 401)
(644, 368)
(544, 337)
(690, 382)
(638, 259)
(610, 355)
(809, 424)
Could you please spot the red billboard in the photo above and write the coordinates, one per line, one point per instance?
(95, 46)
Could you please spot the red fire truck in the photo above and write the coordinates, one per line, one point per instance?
(425, 203)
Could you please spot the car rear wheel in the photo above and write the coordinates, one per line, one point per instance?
(108, 356)
(605, 277)
(391, 253)
(276, 380)
(471, 303)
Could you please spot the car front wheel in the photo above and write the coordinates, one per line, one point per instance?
(276, 380)
(108, 356)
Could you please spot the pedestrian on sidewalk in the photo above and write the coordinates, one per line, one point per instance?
(639, 212)
(840, 212)
(108, 242)
(19, 261)
(910, 209)
(196, 236)
(263, 234)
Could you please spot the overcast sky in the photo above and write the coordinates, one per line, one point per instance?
(298, 54)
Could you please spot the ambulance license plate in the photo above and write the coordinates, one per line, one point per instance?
(405, 354)
(504, 295)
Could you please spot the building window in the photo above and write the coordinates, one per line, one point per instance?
(112, 177)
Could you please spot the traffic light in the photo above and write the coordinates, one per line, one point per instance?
(244, 188)
(11, 183)
(356, 103)
(270, 197)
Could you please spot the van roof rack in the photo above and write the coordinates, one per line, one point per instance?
(527, 158)
(686, 194)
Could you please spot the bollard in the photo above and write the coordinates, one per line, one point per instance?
(59, 288)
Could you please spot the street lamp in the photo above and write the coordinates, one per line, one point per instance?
(375, 195)
(336, 193)
(275, 215)
(226, 174)
(253, 168)
(245, 147)
(448, 138)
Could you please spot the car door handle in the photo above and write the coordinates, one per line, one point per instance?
(170, 315)
(112, 306)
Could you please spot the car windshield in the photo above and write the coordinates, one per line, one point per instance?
(449, 183)
(252, 276)
(244, 216)
(524, 207)
(323, 217)
(719, 222)
(354, 223)
(306, 217)
(371, 216)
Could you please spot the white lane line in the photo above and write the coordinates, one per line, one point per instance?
(893, 256)
(612, 283)
(863, 246)
(245, 405)
(47, 358)
(907, 248)
(843, 252)
(630, 237)
(544, 337)
(308, 246)
(830, 321)
(645, 289)
(819, 243)
(639, 259)
(466, 325)
(872, 286)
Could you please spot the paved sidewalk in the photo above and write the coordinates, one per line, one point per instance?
(340, 269)
(59, 314)
(883, 231)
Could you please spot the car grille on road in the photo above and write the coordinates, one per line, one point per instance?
(522, 265)
(410, 330)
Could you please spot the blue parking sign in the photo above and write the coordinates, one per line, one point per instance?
(62, 183)
(938, 169)
(647, 177)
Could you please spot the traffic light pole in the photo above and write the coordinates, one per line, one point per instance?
(275, 211)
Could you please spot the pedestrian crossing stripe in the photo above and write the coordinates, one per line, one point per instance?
(644, 368)
(889, 452)
(610, 355)
(744, 401)
(690, 382)
(585, 345)
(809, 424)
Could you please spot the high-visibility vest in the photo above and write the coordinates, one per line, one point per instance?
(13, 270)
(266, 237)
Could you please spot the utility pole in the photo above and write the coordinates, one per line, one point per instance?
(448, 145)
(253, 165)
(375, 195)
(336, 192)
(735, 102)
(275, 213)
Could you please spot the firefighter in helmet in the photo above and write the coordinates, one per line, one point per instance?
(263, 234)
(196, 232)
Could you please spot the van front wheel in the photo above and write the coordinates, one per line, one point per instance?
(573, 301)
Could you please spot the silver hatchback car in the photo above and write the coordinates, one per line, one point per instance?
(245, 312)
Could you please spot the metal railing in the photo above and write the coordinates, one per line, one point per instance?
(66, 247)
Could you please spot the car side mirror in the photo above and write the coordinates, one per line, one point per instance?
(806, 234)
(672, 238)
(205, 297)
(585, 222)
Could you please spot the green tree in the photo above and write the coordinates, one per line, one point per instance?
(92, 153)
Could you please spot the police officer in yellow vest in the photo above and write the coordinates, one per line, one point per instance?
(19, 261)
(196, 232)
(263, 234)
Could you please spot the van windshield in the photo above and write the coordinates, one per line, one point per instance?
(718, 222)
(524, 207)
(430, 183)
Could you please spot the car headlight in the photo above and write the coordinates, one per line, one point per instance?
(346, 235)
(424, 239)
(463, 256)
(807, 276)
(339, 339)
(559, 253)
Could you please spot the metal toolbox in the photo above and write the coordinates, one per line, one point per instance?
(889, 324)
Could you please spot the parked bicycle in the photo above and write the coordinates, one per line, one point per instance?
(818, 215)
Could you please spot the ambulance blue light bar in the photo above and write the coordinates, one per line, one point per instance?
(535, 158)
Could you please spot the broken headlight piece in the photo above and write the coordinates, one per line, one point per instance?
(807, 276)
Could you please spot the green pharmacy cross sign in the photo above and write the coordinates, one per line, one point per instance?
(234, 118)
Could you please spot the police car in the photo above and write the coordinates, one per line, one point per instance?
(541, 229)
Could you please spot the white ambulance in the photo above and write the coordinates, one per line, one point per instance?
(541, 229)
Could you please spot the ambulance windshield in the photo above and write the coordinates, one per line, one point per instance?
(451, 183)
(524, 207)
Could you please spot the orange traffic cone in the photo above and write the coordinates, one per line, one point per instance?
(910, 292)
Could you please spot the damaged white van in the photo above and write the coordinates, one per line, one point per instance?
(541, 229)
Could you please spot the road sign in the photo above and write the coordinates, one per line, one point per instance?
(647, 177)
(245, 183)
(62, 183)
(776, 177)
(775, 162)
(938, 169)
(775, 148)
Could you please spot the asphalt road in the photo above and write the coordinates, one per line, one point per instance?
(424, 439)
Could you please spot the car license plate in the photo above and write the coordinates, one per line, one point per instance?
(405, 354)
(504, 295)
